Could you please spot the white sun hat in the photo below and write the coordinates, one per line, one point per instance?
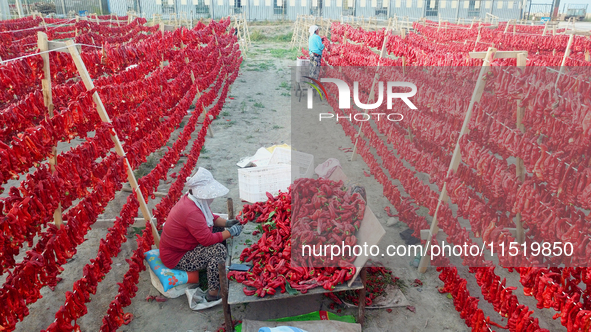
(204, 186)
(313, 29)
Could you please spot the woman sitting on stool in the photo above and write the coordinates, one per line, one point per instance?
(193, 238)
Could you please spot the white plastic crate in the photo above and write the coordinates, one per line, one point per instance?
(302, 68)
(255, 182)
(300, 161)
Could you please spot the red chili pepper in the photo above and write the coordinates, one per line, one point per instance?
(272, 253)
(248, 292)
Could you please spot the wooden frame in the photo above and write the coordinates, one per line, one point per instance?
(224, 280)
(571, 39)
(60, 46)
(118, 147)
(456, 157)
(44, 46)
(520, 170)
(243, 33)
(371, 92)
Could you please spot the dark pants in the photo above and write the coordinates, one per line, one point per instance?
(315, 65)
(206, 258)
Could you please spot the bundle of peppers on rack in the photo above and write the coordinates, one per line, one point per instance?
(230, 58)
(17, 78)
(109, 248)
(493, 289)
(41, 266)
(77, 169)
(464, 303)
(444, 214)
(21, 42)
(273, 255)
(35, 143)
(573, 316)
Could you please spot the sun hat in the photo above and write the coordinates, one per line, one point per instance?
(204, 186)
(313, 29)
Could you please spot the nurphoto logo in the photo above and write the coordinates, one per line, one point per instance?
(344, 94)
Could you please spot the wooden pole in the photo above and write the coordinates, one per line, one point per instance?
(295, 31)
(477, 38)
(118, 147)
(566, 54)
(224, 294)
(520, 169)
(403, 65)
(371, 94)
(456, 157)
(343, 48)
(43, 45)
(204, 113)
(545, 28)
(247, 32)
(230, 203)
(362, 291)
(19, 8)
(209, 128)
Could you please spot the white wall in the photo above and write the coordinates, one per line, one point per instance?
(4, 10)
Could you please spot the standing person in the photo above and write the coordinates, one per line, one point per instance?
(192, 236)
(315, 48)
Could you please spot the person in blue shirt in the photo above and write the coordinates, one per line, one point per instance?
(315, 47)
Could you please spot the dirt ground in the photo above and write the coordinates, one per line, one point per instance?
(257, 114)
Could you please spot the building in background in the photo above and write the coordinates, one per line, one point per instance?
(273, 10)
(58, 7)
(289, 9)
(4, 10)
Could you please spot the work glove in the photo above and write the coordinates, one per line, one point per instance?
(235, 230)
(231, 222)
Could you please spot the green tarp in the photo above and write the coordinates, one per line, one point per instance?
(317, 315)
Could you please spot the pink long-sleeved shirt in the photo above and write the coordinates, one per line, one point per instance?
(185, 228)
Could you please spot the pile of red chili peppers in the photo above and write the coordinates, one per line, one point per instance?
(325, 213)
(272, 255)
(378, 279)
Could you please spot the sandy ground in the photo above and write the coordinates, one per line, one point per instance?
(578, 25)
(257, 114)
